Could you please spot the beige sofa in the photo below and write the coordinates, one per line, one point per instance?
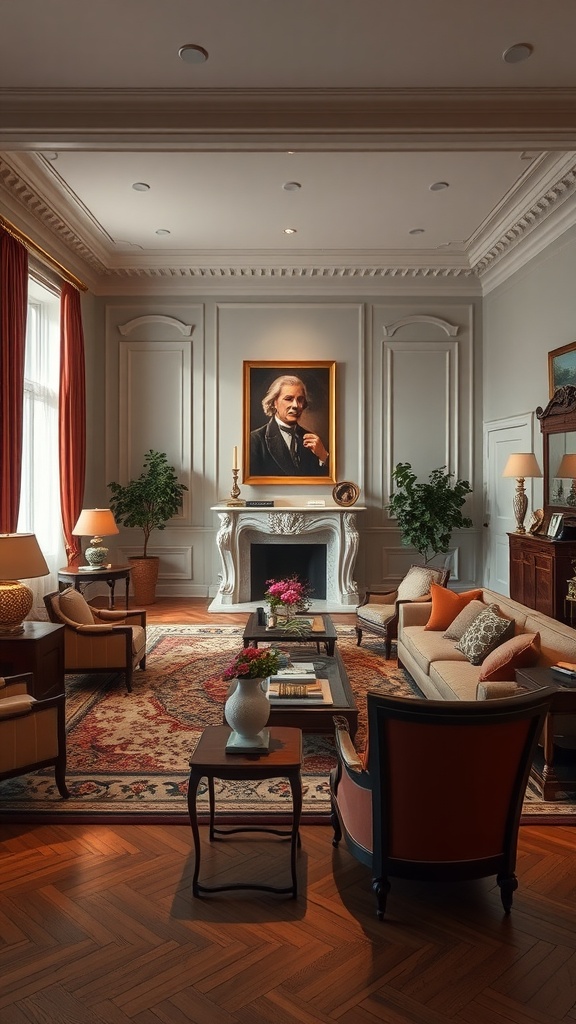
(443, 673)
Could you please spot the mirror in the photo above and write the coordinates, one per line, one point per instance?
(558, 426)
(561, 490)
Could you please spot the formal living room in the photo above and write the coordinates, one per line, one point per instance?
(287, 512)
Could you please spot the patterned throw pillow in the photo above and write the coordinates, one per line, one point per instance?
(447, 604)
(486, 632)
(521, 651)
(458, 627)
(416, 582)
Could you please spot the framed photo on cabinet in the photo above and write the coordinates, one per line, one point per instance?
(289, 422)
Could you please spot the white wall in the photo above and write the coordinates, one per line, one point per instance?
(406, 390)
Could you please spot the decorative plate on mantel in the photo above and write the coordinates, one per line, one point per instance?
(346, 493)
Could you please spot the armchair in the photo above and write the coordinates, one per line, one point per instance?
(378, 611)
(98, 640)
(32, 732)
(441, 794)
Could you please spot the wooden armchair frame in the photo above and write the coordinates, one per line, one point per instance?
(32, 732)
(389, 629)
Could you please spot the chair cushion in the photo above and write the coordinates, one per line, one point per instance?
(465, 618)
(447, 604)
(75, 607)
(377, 614)
(520, 651)
(417, 582)
(487, 631)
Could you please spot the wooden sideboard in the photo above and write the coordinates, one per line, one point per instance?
(38, 649)
(540, 568)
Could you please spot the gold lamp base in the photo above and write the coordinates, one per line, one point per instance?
(15, 603)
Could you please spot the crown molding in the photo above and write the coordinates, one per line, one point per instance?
(182, 118)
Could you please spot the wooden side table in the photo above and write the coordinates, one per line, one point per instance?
(210, 761)
(72, 576)
(39, 649)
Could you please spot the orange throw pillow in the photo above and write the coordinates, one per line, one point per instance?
(519, 652)
(446, 605)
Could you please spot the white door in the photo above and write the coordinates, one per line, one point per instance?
(501, 439)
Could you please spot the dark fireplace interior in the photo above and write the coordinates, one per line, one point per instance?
(276, 561)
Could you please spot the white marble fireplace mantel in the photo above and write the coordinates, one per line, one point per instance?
(240, 527)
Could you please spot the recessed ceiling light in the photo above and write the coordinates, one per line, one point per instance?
(416, 231)
(289, 231)
(193, 54)
(141, 186)
(518, 52)
(437, 186)
(162, 231)
(291, 186)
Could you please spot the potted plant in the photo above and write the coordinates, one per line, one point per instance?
(427, 513)
(147, 503)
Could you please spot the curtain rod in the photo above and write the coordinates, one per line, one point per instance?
(37, 250)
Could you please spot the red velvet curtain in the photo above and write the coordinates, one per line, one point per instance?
(72, 416)
(13, 310)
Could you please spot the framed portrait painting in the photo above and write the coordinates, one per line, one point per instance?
(289, 422)
(561, 367)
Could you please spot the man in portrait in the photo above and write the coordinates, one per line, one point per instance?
(283, 447)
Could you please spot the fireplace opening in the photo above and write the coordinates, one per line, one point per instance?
(276, 561)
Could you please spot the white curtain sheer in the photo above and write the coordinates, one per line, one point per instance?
(40, 493)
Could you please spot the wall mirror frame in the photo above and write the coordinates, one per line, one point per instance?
(558, 426)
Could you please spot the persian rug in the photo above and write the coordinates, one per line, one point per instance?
(128, 753)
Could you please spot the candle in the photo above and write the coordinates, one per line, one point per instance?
(235, 457)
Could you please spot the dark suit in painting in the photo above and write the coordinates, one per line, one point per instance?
(270, 455)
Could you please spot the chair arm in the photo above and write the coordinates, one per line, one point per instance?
(11, 686)
(414, 613)
(130, 617)
(345, 746)
(379, 597)
(95, 627)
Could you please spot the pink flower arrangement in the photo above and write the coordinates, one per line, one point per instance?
(254, 662)
(291, 592)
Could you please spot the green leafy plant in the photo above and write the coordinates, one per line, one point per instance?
(150, 501)
(428, 513)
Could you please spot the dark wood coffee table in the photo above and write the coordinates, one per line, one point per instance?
(255, 634)
(553, 777)
(319, 717)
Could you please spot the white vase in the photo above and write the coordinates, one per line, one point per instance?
(247, 711)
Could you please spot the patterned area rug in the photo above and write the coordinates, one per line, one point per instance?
(128, 753)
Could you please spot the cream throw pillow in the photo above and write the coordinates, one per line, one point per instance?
(416, 582)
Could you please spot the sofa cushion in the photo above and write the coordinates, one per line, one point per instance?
(465, 618)
(417, 582)
(487, 631)
(520, 651)
(75, 607)
(447, 604)
(455, 680)
(495, 690)
(427, 648)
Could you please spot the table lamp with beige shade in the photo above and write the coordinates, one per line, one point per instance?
(521, 465)
(96, 523)
(20, 559)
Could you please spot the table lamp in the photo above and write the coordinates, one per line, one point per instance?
(521, 465)
(20, 558)
(98, 522)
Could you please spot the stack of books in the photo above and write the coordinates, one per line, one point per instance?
(298, 683)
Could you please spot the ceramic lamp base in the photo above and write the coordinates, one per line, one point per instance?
(15, 604)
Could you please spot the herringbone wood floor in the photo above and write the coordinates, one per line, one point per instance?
(97, 924)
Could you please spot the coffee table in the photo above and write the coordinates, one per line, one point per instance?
(327, 635)
(300, 714)
(553, 777)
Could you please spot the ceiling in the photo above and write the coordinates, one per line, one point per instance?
(365, 105)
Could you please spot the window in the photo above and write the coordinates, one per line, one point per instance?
(40, 487)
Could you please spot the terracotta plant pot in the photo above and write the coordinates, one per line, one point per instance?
(144, 577)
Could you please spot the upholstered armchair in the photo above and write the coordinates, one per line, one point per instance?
(441, 792)
(96, 639)
(32, 732)
(378, 611)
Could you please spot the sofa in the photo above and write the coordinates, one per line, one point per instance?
(445, 673)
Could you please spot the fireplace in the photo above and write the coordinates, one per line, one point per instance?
(278, 561)
(244, 531)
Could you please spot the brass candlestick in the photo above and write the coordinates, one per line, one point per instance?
(235, 492)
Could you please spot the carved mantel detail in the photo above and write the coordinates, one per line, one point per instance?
(241, 527)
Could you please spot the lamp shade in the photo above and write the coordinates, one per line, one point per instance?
(20, 557)
(95, 522)
(567, 467)
(522, 464)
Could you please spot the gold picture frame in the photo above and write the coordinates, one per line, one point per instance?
(266, 454)
(346, 493)
(561, 367)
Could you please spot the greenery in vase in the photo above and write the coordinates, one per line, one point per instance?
(150, 501)
(254, 662)
(428, 513)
